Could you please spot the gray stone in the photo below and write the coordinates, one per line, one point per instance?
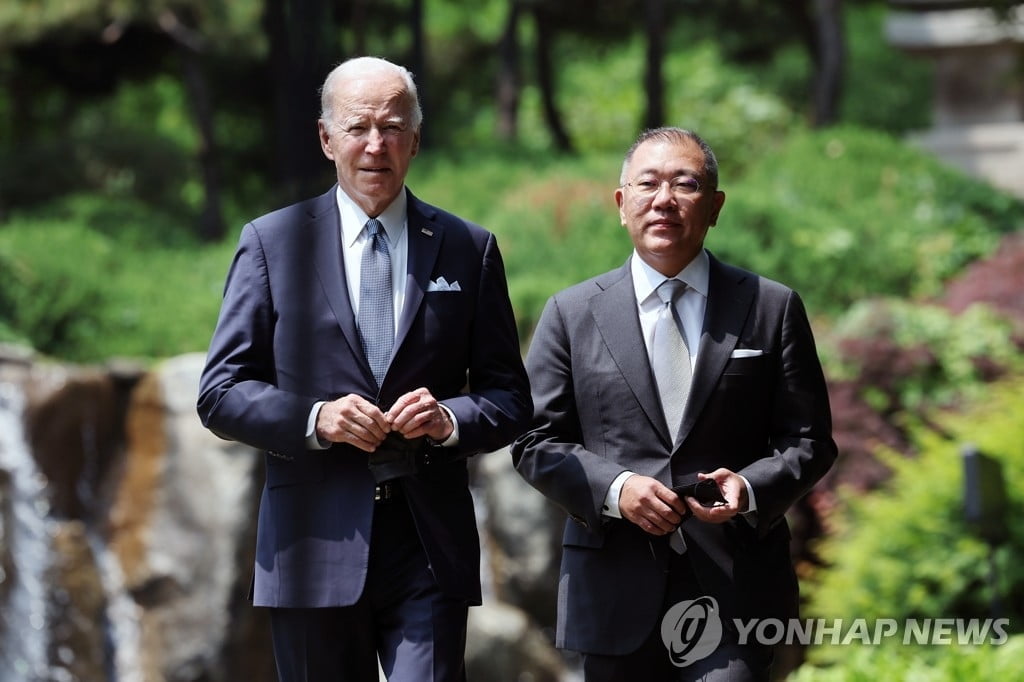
(504, 645)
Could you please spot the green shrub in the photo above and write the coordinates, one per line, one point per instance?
(906, 551)
(957, 354)
(846, 213)
(52, 285)
(555, 218)
(72, 292)
(919, 664)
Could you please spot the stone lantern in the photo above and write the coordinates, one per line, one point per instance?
(978, 109)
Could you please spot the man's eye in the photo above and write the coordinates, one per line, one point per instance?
(687, 185)
(647, 184)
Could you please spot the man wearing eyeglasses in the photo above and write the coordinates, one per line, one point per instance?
(675, 422)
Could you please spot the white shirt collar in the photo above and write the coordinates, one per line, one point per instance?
(646, 279)
(354, 218)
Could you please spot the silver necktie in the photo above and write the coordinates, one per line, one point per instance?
(376, 318)
(671, 356)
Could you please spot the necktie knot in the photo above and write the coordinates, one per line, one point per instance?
(670, 290)
(373, 227)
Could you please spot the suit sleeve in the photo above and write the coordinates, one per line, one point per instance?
(800, 438)
(550, 456)
(238, 398)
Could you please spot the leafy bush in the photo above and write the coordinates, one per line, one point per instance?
(921, 664)
(846, 213)
(840, 215)
(906, 551)
(73, 292)
(52, 287)
(897, 103)
(703, 92)
(555, 218)
(956, 355)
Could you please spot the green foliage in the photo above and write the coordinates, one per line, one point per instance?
(898, 102)
(906, 551)
(72, 291)
(555, 218)
(919, 664)
(604, 106)
(957, 351)
(138, 145)
(847, 213)
(839, 214)
(52, 286)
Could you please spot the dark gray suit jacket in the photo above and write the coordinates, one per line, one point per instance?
(597, 414)
(287, 337)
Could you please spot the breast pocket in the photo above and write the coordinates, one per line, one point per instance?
(752, 366)
(744, 389)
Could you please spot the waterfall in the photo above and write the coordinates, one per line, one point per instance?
(26, 534)
(123, 616)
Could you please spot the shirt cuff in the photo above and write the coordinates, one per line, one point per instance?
(453, 438)
(313, 441)
(751, 500)
(611, 498)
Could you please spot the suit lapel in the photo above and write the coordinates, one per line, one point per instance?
(616, 317)
(425, 237)
(730, 297)
(325, 232)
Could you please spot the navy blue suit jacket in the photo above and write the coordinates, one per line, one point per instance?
(762, 412)
(287, 337)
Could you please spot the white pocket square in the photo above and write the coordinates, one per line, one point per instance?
(746, 353)
(441, 284)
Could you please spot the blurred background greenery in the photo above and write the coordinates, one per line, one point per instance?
(136, 138)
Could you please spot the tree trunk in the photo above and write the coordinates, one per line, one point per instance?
(357, 20)
(508, 82)
(546, 82)
(418, 66)
(211, 221)
(830, 62)
(189, 46)
(298, 32)
(654, 86)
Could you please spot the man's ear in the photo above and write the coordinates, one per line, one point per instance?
(325, 139)
(716, 207)
(416, 142)
(619, 198)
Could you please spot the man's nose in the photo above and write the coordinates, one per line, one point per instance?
(664, 195)
(374, 141)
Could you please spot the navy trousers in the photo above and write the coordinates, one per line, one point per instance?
(402, 617)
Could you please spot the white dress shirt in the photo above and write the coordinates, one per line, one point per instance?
(353, 240)
(690, 307)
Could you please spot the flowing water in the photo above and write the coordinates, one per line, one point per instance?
(26, 535)
(27, 558)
